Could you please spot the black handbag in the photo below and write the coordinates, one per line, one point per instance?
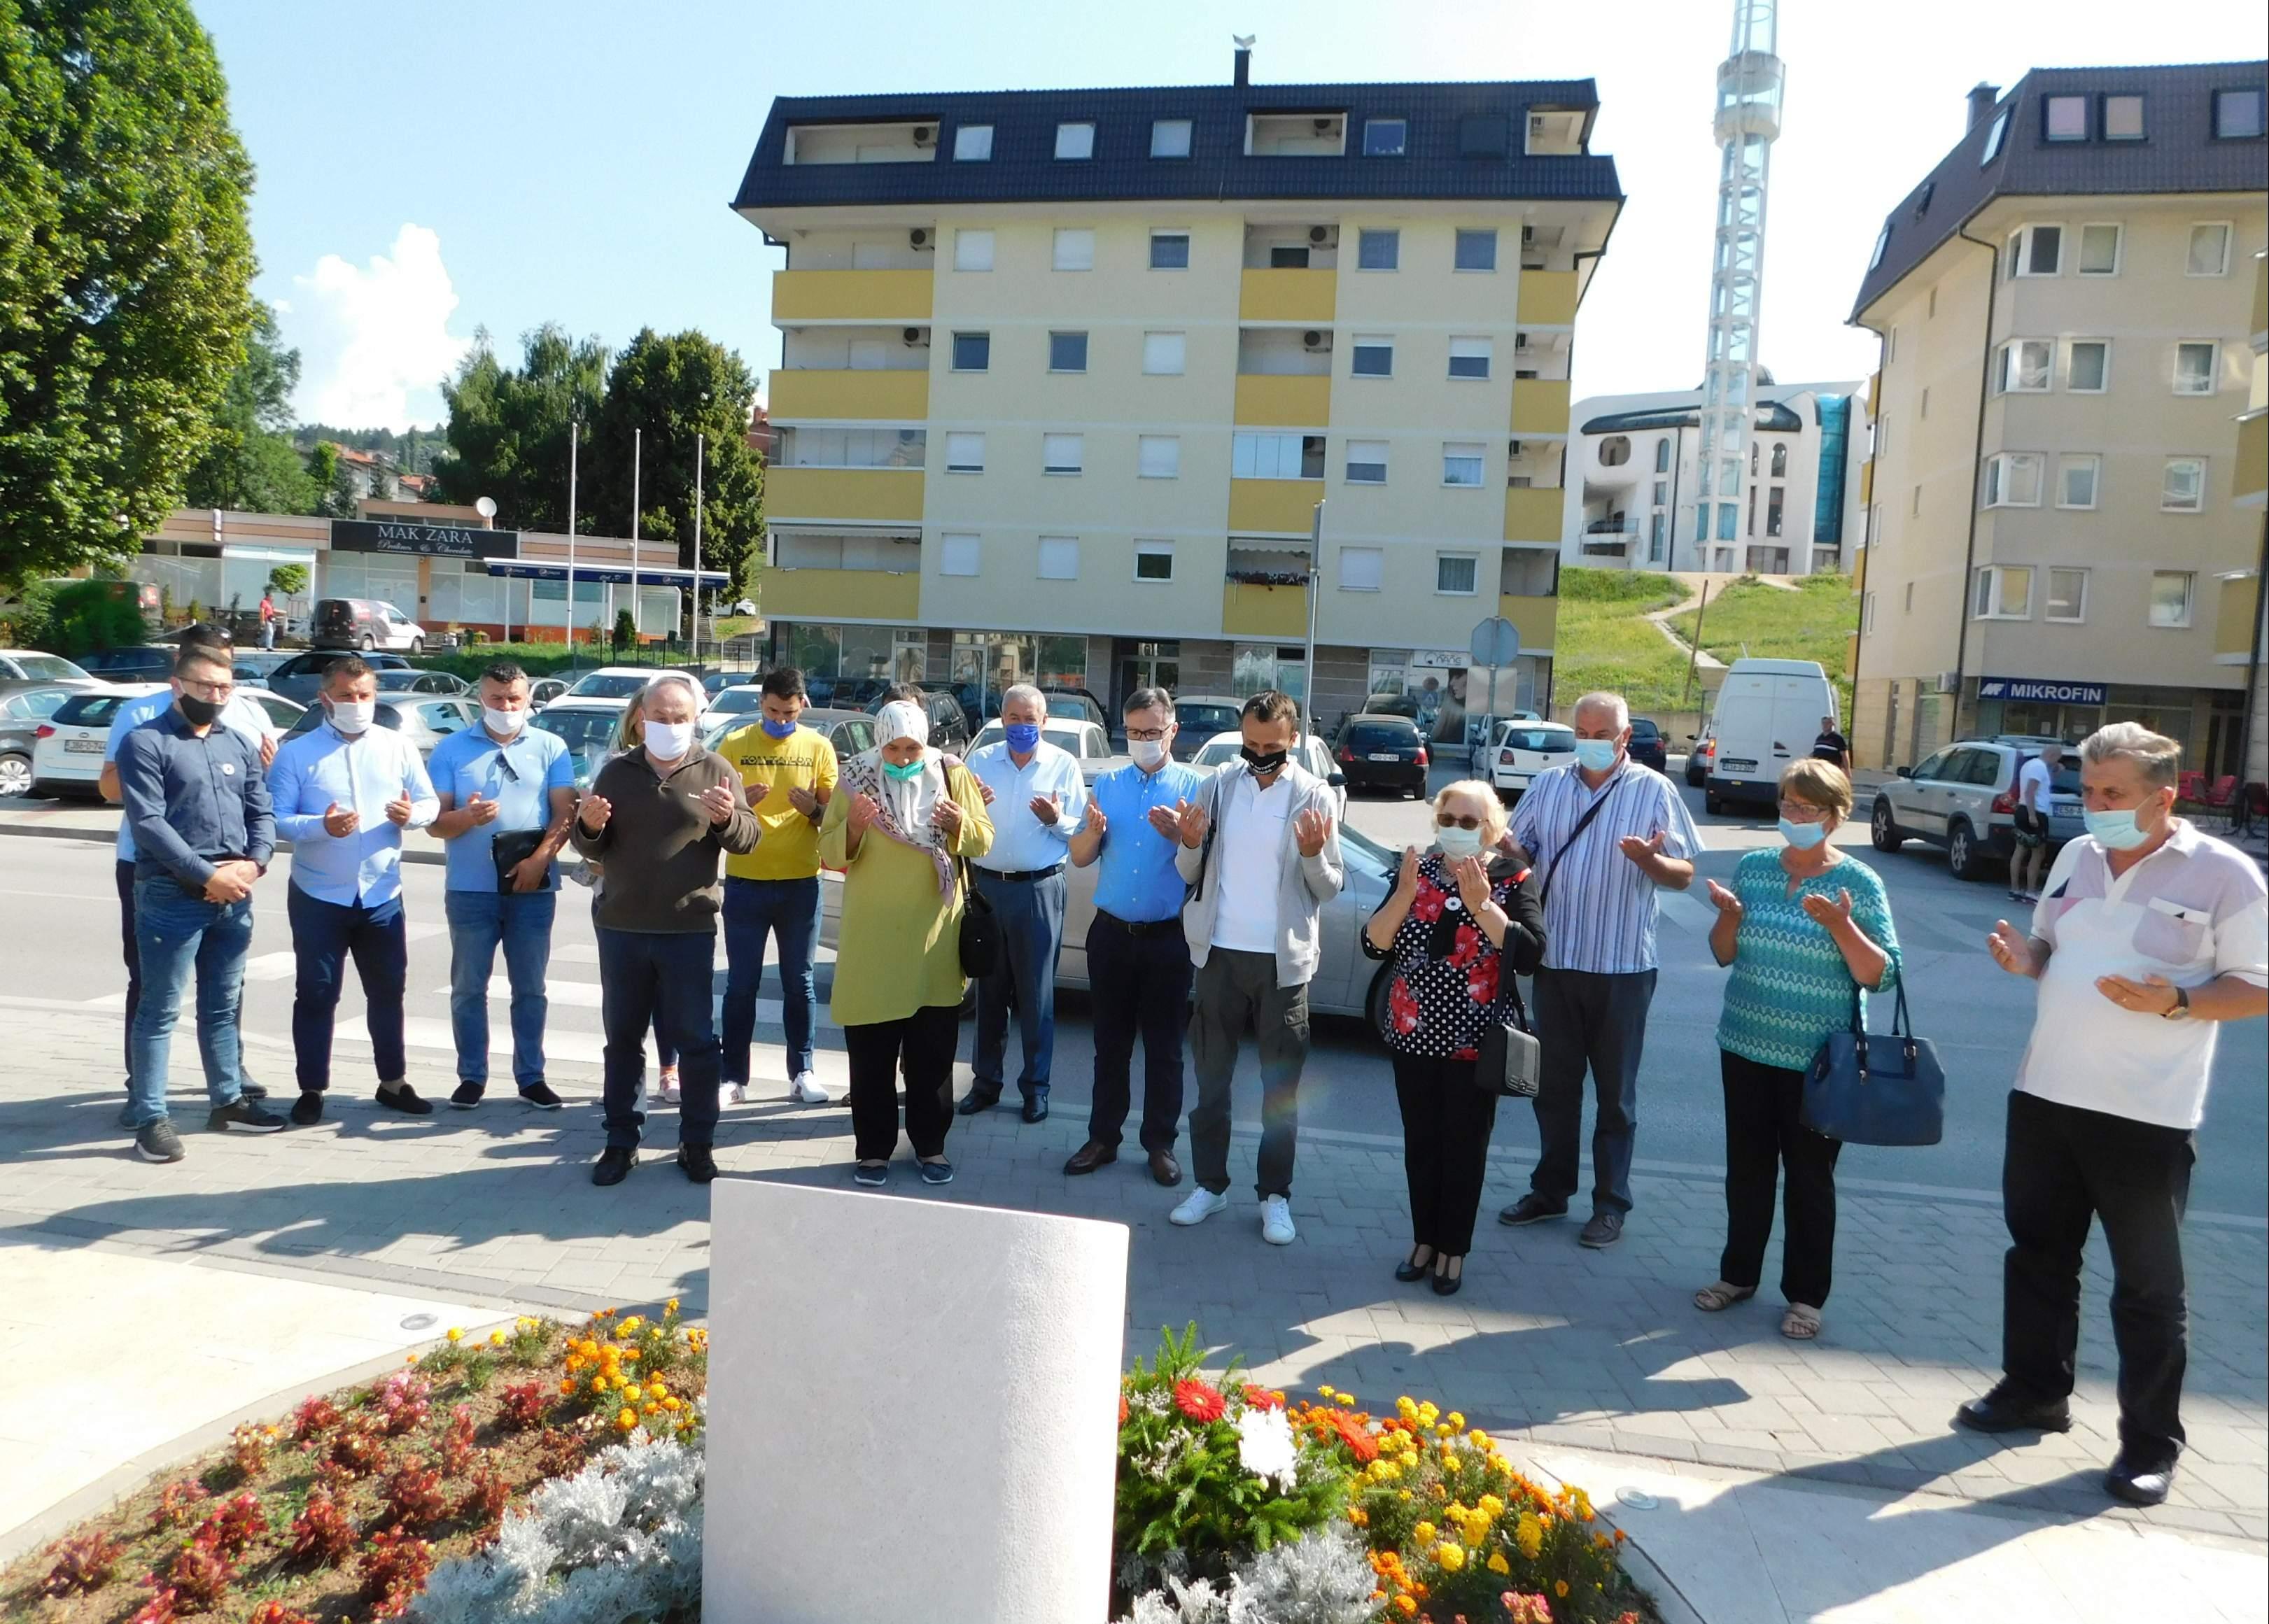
(512, 848)
(1869, 1089)
(1510, 1061)
(980, 929)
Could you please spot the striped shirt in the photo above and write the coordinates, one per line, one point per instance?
(1790, 987)
(1599, 915)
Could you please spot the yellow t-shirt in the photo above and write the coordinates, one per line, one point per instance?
(788, 848)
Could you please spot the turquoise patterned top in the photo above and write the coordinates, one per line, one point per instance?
(1789, 987)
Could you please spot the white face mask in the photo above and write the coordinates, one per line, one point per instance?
(1146, 752)
(353, 716)
(505, 722)
(667, 741)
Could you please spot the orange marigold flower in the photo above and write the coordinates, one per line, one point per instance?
(1262, 1398)
(1198, 1401)
(1122, 1409)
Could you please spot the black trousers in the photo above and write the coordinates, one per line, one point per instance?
(1766, 1147)
(1138, 985)
(2064, 1167)
(1595, 1022)
(661, 980)
(922, 1045)
(1445, 1138)
(131, 950)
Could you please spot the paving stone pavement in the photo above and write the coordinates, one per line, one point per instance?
(1591, 1350)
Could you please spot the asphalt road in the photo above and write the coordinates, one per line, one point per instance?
(58, 939)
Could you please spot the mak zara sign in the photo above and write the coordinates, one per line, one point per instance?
(2041, 690)
(433, 541)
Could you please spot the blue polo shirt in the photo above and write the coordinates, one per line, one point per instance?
(1136, 879)
(519, 776)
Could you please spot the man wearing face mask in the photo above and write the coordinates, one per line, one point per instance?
(789, 774)
(1260, 849)
(1607, 834)
(660, 817)
(1138, 965)
(344, 795)
(506, 791)
(1037, 798)
(2147, 936)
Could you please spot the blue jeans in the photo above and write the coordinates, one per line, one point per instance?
(479, 921)
(662, 980)
(789, 910)
(1032, 916)
(174, 929)
(324, 935)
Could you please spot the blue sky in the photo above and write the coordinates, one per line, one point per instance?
(427, 168)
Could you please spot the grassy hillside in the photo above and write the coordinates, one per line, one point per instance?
(1603, 642)
(1813, 622)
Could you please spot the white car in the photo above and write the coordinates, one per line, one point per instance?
(1518, 751)
(619, 681)
(1084, 741)
(67, 760)
(1485, 739)
(741, 699)
(1314, 755)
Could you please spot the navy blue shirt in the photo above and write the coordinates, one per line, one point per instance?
(194, 802)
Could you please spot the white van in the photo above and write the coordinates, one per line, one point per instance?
(1767, 715)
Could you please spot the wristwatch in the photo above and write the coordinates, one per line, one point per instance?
(2182, 1009)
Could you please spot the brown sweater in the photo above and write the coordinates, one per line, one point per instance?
(659, 847)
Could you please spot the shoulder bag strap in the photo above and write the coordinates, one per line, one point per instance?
(1574, 835)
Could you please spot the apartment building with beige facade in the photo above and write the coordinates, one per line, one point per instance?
(2058, 533)
(1064, 375)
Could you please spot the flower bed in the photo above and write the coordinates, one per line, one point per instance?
(555, 1477)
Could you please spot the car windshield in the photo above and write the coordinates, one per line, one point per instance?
(1382, 736)
(1543, 741)
(397, 682)
(1644, 729)
(1071, 707)
(47, 667)
(1206, 719)
(607, 685)
(88, 711)
(734, 700)
(583, 731)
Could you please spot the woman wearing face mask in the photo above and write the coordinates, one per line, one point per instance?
(1455, 918)
(899, 826)
(1800, 926)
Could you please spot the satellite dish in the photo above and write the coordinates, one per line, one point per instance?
(485, 507)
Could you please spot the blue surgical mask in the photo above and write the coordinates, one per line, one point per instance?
(1803, 837)
(1595, 755)
(903, 774)
(1457, 842)
(2117, 830)
(1023, 737)
(776, 730)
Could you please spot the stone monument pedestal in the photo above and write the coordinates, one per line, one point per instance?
(912, 1410)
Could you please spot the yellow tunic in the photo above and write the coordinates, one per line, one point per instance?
(900, 940)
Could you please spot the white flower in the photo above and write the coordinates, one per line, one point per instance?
(1265, 1446)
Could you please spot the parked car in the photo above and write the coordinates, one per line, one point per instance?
(1767, 715)
(1485, 732)
(405, 680)
(1383, 752)
(744, 699)
(1704, 746)
(1648, 747)
(948, 723)
(587, 727)
(613, 682)
(300, 676)
(1076, 704)
(24, 713)
(1085, 741)
(133, 662)
(852, 732)
(716, 681)
(1199, 719)
(255, 666)
(1523, 749)
(544, 690)
(1345, 982)
(364, 623)
(27, 665)
(425, 721)
(1964, 797)
(1314, 755)
(67, 754)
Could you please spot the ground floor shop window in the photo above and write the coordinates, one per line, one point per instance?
(1256, 667)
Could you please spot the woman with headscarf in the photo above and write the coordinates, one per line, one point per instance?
(902, 821)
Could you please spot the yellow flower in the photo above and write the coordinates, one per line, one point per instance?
(1491, 1505)
(496, 1339)
(672, 1404)
(1452, 1557)
(567, 1386)
(1323, 1391)
(657, 1390)
(1559, 1588)
(630, 1325)
(1424, 1533)
(1528, 1535)
(1427, 1414)
(1406, 1407)
(671, 1306)
(456, 1334)
(628, 1420)
(1457, 1421)
(1479, 1439)
(1497, 1564)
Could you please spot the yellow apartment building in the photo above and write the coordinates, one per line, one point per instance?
(1065, 374)
(2064, 526)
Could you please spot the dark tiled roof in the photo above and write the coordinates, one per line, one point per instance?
(1443, 118)
(1772, 418)
(2178, 154)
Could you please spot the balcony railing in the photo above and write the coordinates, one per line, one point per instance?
(851, 295)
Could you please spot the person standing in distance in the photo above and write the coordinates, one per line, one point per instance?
(267, 619)
(1832, 747)
(344, 793)
(660, 817)
(2149, 937)
(203, 836)
(1037, 798)
(1259, 847)
(2036, 794)
(787, 774)
(1138, 964)
(505, 792)
(1606, 834)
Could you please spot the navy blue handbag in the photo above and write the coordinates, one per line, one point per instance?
(1866, 1088)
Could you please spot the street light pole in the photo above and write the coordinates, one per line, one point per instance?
(574, 445)
(1315, 576)
(700, 448)
(637, 617)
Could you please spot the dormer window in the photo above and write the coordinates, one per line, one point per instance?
(1170, 137)
(2064, 118)
(1295, 135)
(972, 144)
(1076, 141)
(1994, 137)
(2123, 118)
(1385, 137)
(2240, 114)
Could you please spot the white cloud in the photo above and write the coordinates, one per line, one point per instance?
(373, 339)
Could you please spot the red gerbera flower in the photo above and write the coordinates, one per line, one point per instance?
(1198, 1401)
(1402, 1007)
(1356, 1435)
(1261, 1399)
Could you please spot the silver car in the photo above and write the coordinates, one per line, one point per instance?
(1084, 741)
(1964, 797)
(425, 721)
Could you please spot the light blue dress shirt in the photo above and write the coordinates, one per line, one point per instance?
(519, 776)
(240, 715)
(319, 769)
(1135, 878)
(1021, 842)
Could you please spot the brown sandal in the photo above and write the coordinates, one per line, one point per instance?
(1801, 1322)
(1713, 1298)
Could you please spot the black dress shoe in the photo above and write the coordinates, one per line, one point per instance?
(1446, 1285)
(1036, 1111)
(973, 1102)
(2138, 1486)
(404, 1098)
(1165, 1169)
(1605, 1229)
(468, 1096)
(614, 1165)
(1533, 1208)
(1089, 1157)
(2009, 1409)
(1407, 1271)
(697, 1163)
(307, 1110)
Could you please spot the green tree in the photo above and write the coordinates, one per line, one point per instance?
(672, 388)
(287, 581)
(126, 266)
(251, 466)
(334, 482)
(381, 483)
(508, 427)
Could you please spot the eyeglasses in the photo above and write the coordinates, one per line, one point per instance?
(208, 691)
(1145, 736)
(1803, 812)
(1447, 820)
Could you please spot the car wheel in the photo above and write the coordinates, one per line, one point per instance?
(15, 775)
(1374, 1003)
(1882, 830)
(1961, 853)
(368, 642)
(417, 646)
(1713, 803)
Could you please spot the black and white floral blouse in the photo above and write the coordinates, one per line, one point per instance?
(1447, 971)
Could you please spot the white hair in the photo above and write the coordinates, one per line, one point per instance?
(1024, 690)
(2153, 754)
(655, 684)
(1602, 700)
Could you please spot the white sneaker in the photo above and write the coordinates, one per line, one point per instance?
(738, 1093)
(808, 1090)
(1199, 1205)
(668, 1092)
(1277, 1220)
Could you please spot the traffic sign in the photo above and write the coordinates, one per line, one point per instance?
(1496, 642)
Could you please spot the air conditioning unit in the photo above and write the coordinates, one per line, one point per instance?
(1948, 682)
(1528, 233)
(1512, 448)
(1521, 341)
(1322, 236)
(1315, 338)
(924, 135)
(913, 337)
(918, 238)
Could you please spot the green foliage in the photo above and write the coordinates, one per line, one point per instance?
(81, 617)
(334, 497)
(1813, 621)
(413, 450)
(625, 633)
(125, 269)
(288, 581)
(250, 466)
(1602, 639)
(509, 427)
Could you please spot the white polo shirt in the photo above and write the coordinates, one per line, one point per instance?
(2193, 909)
(1251, 863)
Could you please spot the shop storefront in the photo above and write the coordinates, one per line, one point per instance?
(2207, 723)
